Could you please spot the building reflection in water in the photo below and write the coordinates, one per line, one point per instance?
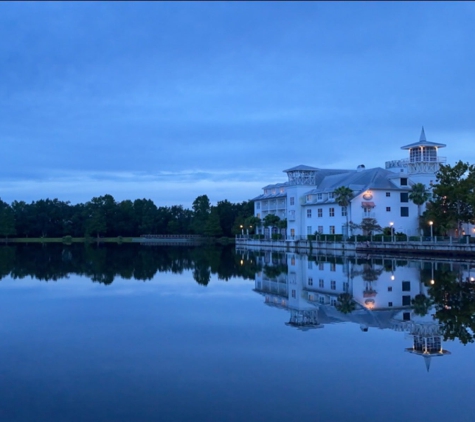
(373, 293)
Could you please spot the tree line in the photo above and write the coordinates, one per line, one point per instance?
(106, 217)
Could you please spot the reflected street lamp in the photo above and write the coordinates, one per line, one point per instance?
(431, 223)
(391, 224)
(242, 229)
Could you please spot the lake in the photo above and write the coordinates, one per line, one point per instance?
(147, 333)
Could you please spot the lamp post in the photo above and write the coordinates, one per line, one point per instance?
(431, 223)
(242, 229)
(391, 224)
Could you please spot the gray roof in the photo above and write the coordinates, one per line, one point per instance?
(423, 142)
(301, 167)
(358, 181)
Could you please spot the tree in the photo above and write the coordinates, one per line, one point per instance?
(271, 220)
(419, 195)
(370, 225)
(7, 220)
(201, 210)
(421, 304)
(454, 196)
(212, 226)
(343, 197)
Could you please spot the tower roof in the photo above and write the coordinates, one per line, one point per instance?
(423, 142)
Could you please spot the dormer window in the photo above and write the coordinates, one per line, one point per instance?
(403, 181)
(319, 196)
(331, 195)
(309, 198)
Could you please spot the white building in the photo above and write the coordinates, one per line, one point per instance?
(307, 199)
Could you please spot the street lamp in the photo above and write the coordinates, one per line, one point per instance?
(431, 223)
(391, 224)
(242, 229)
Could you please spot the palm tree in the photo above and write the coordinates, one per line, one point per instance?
(343, 197)
(419, 195)
(345, 303)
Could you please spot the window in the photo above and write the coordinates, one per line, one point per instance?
(258, 205)
(321, 299)
(319, 196)
(292, 200)
(320, 212)
(309, 265)
(344, 211)
(321, 283)
(406, 286)
(309, 198)
(331, 195)
(388, 209)
(292, 260)
(388, 194)
(309, 213)
(309, 229)
(406, 316)
(333, 285)
(404, 211)
(293, 294)
(320, 229)
(390, 289)
(406, 300)
(292, 232)
(390, 304)
(320, 266)
(258, 215)
(281, 190)
(404, 197)
(332, 266)
(310, 281)
(331, 212)
(345, 286)
(403, 181)
(333, 302)
(332, 229)
(310, 297)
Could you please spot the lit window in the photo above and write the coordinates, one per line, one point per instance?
(331, 212)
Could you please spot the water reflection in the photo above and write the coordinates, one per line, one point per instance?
(430, 301)
(102, 264)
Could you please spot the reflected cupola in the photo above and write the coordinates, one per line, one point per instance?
(427, 342)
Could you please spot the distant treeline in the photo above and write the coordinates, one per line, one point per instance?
(104, 216)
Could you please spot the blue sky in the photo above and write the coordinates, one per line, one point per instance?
(169, 101)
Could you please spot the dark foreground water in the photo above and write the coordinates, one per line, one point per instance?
(134, 333)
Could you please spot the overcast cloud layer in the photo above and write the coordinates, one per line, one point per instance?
(169, 101)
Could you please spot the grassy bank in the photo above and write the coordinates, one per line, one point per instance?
(69, 239)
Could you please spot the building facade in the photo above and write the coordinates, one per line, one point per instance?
(308, 201)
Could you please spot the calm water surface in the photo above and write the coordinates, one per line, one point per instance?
(135, 333)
